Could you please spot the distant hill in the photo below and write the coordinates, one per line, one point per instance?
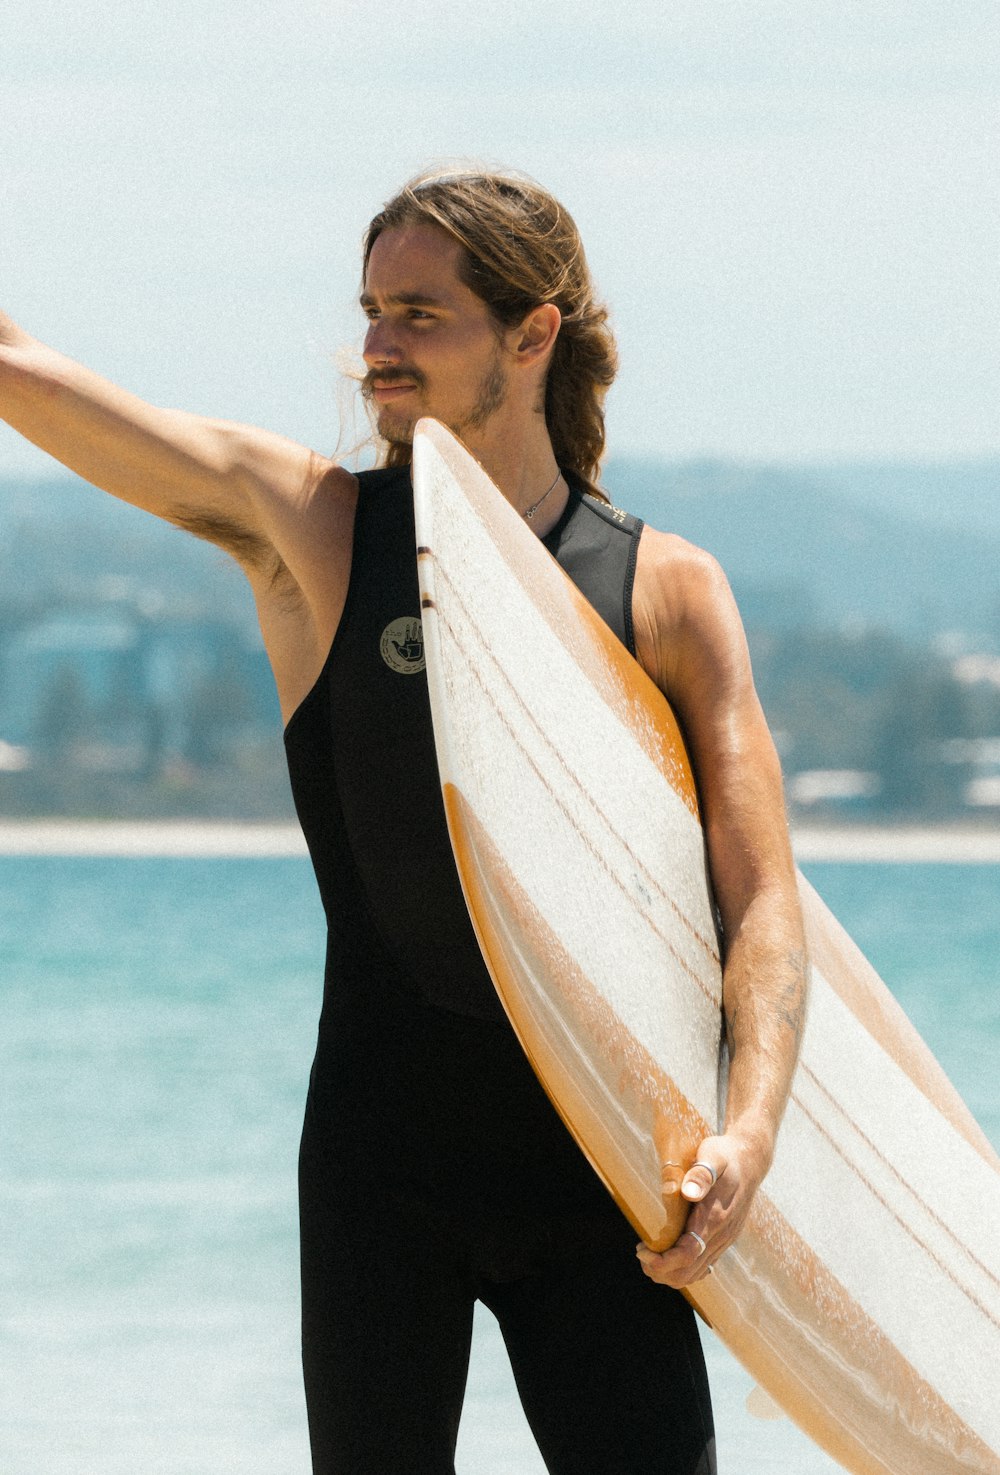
(913, 549)
(955, 494)
(63, 537)
(829, 546)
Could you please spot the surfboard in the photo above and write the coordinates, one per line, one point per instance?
(864, 1293)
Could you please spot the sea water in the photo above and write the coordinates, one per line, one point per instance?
(156, 1029)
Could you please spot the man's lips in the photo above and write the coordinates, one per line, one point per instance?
(385, 392)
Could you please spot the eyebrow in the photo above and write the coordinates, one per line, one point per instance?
(404, 299)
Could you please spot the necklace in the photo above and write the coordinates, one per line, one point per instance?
(529, 512)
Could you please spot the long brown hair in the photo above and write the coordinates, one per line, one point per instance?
(521, 248)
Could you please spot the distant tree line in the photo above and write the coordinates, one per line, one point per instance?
(107, 711)
(869, 702)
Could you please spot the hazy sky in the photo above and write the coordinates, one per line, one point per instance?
(793, 208)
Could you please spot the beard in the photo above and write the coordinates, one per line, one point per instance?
(396, 427)
(490, 397)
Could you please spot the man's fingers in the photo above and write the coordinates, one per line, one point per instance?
(682, 1265)
(703, 1174)
(680, 1256)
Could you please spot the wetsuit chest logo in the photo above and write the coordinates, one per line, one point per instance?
(402, 646)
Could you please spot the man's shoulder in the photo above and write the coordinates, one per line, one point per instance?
(688, 629)
(682, 593)
(668, 556)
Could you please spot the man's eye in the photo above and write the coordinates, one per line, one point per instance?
(372, 314)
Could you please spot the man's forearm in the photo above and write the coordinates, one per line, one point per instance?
(107, 435)
(161, 460)
(764, 1003)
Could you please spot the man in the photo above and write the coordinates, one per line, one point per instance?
(433, 1170)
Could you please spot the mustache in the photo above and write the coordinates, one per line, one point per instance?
(385, 376)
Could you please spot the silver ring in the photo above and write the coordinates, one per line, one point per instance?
(708, 1168)
(700, 1241)
(710, 1270)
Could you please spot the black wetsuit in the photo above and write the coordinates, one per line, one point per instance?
(434, 1170)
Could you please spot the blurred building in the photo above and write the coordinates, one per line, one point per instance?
(102, 687)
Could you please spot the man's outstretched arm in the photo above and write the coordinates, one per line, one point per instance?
(691, 633)
(230, 483)
(161, 460)
(283, 512)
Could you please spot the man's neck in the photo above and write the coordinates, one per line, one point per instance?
(522, 463)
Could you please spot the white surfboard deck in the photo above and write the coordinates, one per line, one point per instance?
(864, 1293)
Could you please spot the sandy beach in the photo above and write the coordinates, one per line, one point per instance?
(180, 838)
(222, 838)
(945, 844)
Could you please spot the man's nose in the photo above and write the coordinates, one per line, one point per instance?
(379, 346)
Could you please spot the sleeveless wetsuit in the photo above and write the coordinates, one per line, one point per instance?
(433, 1170)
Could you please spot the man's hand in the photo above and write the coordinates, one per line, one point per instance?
(719, 1209)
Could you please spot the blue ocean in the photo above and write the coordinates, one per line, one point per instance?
(157, 1027)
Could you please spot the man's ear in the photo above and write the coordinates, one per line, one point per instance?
(535, 338)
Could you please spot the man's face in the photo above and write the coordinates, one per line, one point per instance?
(431, 346)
